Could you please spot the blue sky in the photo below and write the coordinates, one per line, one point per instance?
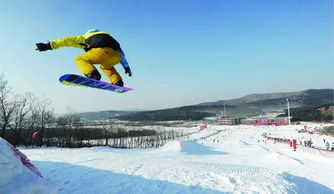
(181, 52)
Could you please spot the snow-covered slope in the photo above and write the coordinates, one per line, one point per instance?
(232, 159)
(18, 175)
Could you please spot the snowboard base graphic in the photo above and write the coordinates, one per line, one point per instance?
(77, 80)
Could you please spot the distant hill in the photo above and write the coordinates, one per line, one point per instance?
(250, 105)
(188, 113)
(302, 98)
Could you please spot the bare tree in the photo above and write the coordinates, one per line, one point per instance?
(107, 127)
(70, 126)
(45, 117)
(78, 126)
(32, 119)
(7, 106)
(20, 113)
(61, 124)
(70, 120)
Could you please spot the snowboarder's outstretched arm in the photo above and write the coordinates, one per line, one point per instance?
(68, 41)
(125, 64)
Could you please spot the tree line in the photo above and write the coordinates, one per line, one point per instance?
(174, 114)
(25, 114)
(21, 114)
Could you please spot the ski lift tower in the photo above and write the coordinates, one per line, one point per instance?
(289, 118)
(224, 110)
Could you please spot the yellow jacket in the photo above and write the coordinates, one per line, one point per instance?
(86, 41)
(89, 41)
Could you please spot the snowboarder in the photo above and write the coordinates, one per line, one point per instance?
(101, 48)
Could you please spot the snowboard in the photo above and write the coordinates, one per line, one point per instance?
(77, 80)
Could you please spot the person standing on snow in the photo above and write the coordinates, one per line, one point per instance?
(101, 48)
(327, 145)
(294, 144)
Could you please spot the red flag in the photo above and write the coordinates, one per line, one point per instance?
(203, 127)
(34, 135)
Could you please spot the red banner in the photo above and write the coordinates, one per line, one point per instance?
(203, 127)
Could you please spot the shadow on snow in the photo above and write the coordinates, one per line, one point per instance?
(194, 148)
(80, 179)
(304, 185)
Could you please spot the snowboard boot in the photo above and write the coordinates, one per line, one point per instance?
(94, 75)
(120, 83)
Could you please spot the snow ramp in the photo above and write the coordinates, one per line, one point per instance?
(18, 175)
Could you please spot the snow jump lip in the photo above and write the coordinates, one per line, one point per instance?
(19, 175)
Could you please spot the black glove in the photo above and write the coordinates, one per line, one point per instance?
(128, 71)
(43, 46)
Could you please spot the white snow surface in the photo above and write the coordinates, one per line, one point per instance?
(17, 178)
(220, 159)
